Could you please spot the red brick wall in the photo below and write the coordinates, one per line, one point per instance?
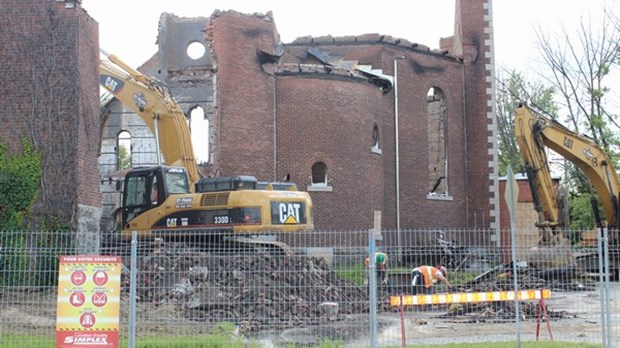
(330, 120)
(50, 95)
(87, 51)
(245, 104)
(417, 75)
(478, 80)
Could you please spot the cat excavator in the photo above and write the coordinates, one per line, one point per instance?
(535, 133)
(172, 201)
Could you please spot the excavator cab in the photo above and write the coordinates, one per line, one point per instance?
(146, 188)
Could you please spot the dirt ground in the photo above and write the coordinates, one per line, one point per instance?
(23, 312)
(581, 323)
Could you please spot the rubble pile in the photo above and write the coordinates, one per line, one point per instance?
(257, 291)
(260, 291)
(500, 279)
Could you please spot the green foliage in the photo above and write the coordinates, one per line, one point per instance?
(31, 259)
(124, 158)
(13, 259)
(352, 273)
(524, 344)
(220, 336)
(512, 91)
(19, 184)
(461, 277)
(205, 342)
(581, 212)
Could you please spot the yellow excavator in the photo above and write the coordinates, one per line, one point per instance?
(535, 133)
(172, 201)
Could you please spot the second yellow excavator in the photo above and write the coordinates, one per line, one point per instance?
(535, 133)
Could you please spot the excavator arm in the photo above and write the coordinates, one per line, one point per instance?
(173, 202)
(534, 133)
(151, 100)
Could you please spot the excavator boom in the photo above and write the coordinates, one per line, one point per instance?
(535, 132)
(151, 100)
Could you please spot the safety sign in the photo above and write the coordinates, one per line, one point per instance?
(88, 306)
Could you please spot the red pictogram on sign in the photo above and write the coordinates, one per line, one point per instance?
(100, 278)
(99, 299)
(87, 320)
(78, 278)
(77, 298)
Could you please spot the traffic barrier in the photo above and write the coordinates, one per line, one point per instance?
(469, 297)
(401, 301)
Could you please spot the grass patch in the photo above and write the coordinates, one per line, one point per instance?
(352, 273)
(527, 344)
(223, 339)
(205, 341)
(357, 273)
(461, 277)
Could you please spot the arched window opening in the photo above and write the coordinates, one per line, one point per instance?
(319, 174)
(123, 150)
(437, 142)
(375, 140)
(199, 127)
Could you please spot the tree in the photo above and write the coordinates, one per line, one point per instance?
(581, 68)
(124, 159)
(511, 91)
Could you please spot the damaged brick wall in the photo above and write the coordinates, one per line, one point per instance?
(50, 96)
(245, 93)
(276, 110)
(479, 82)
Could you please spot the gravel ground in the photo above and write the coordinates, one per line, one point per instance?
(582, 324)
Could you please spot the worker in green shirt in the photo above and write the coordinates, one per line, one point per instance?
(381, 263)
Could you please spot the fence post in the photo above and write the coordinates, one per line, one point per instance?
(132, 289)
(603, 264)
(403, 336)
(512, 192)
(372, 283)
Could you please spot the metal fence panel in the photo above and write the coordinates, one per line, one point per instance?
(311, 288)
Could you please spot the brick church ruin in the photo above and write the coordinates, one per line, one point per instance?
(364, 123)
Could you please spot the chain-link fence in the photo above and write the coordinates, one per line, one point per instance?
(311, 288)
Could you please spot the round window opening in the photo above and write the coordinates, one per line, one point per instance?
(195, 50)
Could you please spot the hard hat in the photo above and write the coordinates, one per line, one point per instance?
(443, 270)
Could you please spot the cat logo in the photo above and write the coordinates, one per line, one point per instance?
(288, 212)
(112, 84)
(171, 222)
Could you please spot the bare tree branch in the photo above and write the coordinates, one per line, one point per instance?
(578, 65)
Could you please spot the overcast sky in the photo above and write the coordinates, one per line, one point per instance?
(128, 28)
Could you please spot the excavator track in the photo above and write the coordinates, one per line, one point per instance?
(223, 245)
(274, 248)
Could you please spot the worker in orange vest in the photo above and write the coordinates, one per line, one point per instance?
(424, 277)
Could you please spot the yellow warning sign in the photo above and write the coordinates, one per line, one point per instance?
(469, 297)
(88, 301)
